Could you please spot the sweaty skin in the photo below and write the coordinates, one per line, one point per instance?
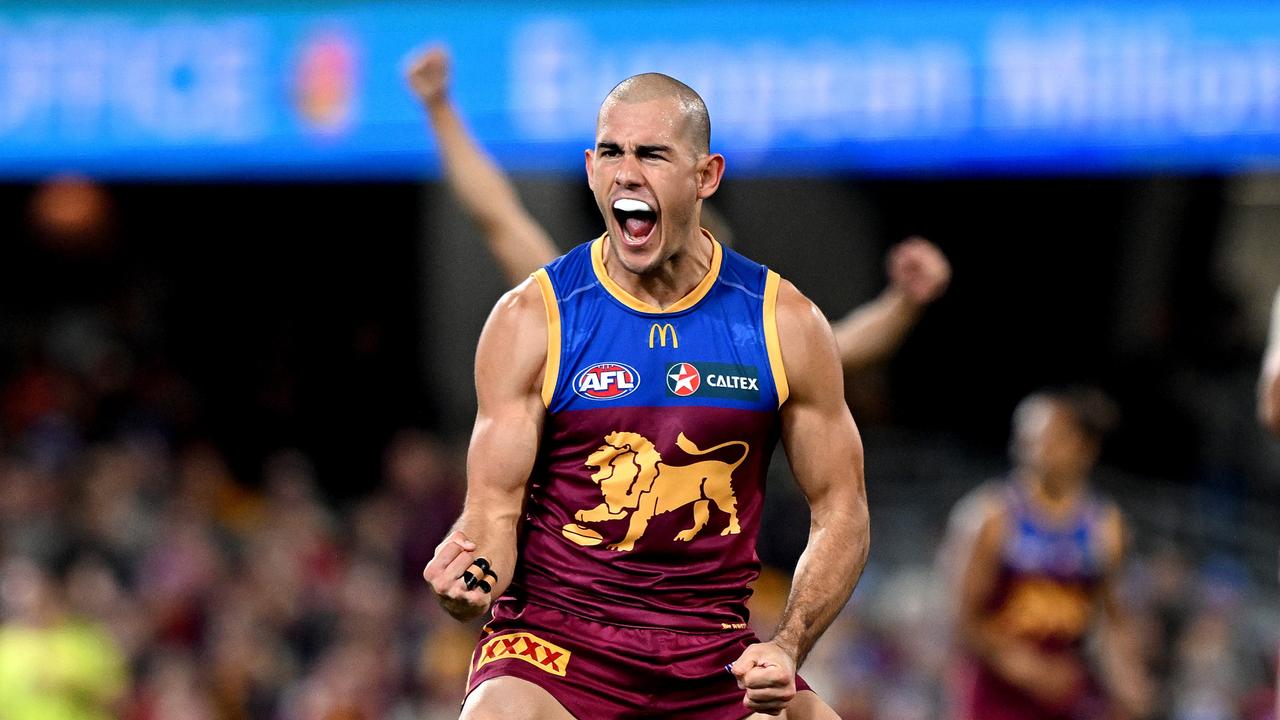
(646, 150)
(825, 452)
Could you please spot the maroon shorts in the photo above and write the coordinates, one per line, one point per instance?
(611, 672)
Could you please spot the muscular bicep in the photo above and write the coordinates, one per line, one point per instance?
(509, 364)
(818, 431)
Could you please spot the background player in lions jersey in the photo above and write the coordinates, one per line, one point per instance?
(869, 334)
(1042, 564)
(610, 630)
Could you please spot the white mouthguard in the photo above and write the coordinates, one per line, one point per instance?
(629, 205)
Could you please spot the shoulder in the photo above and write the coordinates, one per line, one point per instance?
(513, 345)
(797, 314)
(522, 303)
(808, 347)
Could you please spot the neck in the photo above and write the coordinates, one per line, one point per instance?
(674, 278)
(1055, 495)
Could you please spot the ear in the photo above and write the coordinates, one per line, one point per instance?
(591, 180)
(710, 170)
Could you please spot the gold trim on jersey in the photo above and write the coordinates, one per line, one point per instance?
(599, 248)
(553, 335)
(771, 336)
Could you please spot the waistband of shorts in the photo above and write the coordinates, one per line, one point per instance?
(543, 606)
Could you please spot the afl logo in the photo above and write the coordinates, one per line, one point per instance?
(683, 379)
(606, 381)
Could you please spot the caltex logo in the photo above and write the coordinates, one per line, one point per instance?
(683, 379)
(606, 381)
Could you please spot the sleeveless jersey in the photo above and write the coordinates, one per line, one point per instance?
(1045, 592)
(645, 502)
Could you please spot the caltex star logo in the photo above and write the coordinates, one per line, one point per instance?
(683, 379)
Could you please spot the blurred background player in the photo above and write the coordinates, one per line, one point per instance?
(1043, 562)
(869, 334)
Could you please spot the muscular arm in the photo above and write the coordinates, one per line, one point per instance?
(825, 452)
(872, 332)
(1269, 383)
(516, 240)
(504, 443)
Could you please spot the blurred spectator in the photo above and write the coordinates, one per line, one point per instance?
(53, 665)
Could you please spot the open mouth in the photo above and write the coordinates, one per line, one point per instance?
(636, 219)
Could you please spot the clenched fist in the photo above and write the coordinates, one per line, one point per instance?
(919, 270)
(428, 75)
(768, 674)
(455, 556)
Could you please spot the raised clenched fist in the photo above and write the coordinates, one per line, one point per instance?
(919, 270)
(428, 75)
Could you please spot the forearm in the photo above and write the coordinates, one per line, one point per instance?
(498, 471)
(1125, 677)
(1269, 396)
(1269, 383)
(871, 332)
(827, 572)
(474, 178)
(516, 240)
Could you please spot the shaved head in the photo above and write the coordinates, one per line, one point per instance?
(656, 86)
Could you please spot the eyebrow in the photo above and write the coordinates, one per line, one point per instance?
(640, 149)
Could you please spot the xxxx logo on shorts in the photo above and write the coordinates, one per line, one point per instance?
(529, 648)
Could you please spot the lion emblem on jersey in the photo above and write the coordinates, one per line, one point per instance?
(634, 479)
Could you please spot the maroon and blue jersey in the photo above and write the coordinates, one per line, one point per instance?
(1049, 571)
(645, 501)
(1046, 591)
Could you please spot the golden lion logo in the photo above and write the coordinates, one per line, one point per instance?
(633, 477)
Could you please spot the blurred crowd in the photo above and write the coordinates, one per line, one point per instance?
(141, 577)
(144, 581)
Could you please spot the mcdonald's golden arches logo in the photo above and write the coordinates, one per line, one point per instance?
(662, 331)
